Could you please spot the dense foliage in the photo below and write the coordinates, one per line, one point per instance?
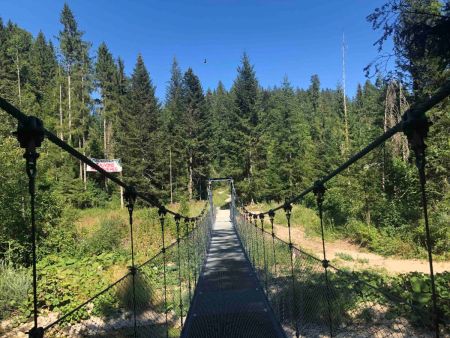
(274, 141)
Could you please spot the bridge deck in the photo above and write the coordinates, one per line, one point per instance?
(228, 301)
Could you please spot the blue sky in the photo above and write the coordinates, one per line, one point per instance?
(282, 37)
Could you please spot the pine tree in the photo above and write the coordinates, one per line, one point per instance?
(43, 76)
(71, 46)
(196, 134)
(244, 124)
(174, 159)
(220, 106)
(105, 71)
(138, 144)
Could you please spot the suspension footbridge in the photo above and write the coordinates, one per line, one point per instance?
(228, 274)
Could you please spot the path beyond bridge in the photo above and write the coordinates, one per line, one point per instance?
(229, 300)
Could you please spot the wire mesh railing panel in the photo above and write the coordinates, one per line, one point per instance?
(358, 308)
(155, 306)
(152, 300)
(311, 306)
(311, 298)
(108, 314)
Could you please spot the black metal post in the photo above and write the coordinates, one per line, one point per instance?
(30, 134)
(177, 223)
(130, 197)
(255, 217)
(261, 217)
(288, 210)
(194, 223)
(272, 217)
(162, 215)
(416, 129)
(319, 191)
(186, 224)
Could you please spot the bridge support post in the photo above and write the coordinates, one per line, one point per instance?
(319, 190)
(162, 215)
(30, 134)
(130, 196)
(194, 224)
(255, 217)
(188, 249)
(288, 209)
(261, 217)
(271, 218)
(416, 130)
(177, 223)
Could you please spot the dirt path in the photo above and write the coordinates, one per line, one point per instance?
(345, 254)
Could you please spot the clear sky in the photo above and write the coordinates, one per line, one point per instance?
(296, 38)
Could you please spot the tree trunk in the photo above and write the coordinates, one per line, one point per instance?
(403, 106)
(82, 145)
(69, 90)
(81, 163)
(18, 79)
(104, 137)
(385, 124)
(170, 175)
(346, 130)
(84, 164)
(61, 135)
(121, 193)
(191, 173)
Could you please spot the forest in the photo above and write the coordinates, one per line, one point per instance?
(274, 142)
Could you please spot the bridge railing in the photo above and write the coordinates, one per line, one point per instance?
(310, 300)
(310, 296)
(151, 299)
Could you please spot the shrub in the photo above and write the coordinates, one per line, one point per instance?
(14, 286)
(363, 234)
(106, 238)
(439, 228)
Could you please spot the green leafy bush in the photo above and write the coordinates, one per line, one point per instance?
(66, 282)
(439, 228)
(361, 233)
(415, 289)
(106, 238)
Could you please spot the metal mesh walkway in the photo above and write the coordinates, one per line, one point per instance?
(229, 301)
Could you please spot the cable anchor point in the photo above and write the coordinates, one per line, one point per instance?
(416, 130)
(130, 196)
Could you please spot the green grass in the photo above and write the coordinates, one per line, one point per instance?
(220, 195)
(344, 256)
(362, 260)
(301, 216)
